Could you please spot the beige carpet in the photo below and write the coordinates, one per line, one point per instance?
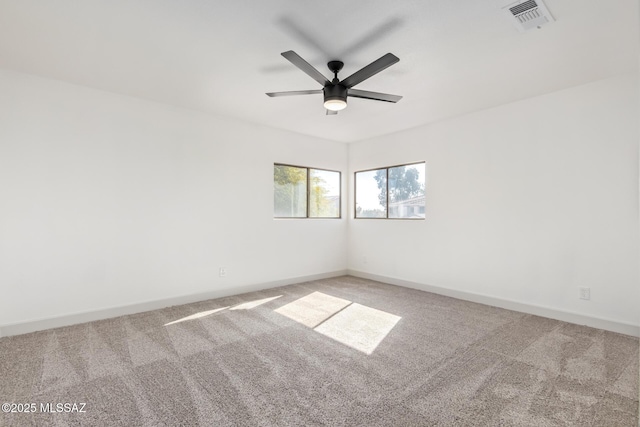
(343, 351)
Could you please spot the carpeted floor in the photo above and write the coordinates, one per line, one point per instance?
(342, 351)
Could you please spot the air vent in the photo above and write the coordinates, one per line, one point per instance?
(529, 14)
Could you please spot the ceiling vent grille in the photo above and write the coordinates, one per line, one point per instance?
(529, 14)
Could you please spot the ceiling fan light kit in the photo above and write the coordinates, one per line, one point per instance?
(335, 97)
(336, 92)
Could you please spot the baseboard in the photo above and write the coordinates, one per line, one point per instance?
(552, 313)
(89, 316)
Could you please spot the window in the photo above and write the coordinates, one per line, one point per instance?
(300, 192)
(396, 192)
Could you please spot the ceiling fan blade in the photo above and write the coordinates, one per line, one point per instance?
(297, 60)
(370, 70)
(331, 113)
(294, 92)
(356, 93)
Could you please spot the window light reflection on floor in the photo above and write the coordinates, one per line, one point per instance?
(253, 304)
(242, 306)
(357, 326)
(313, 309)
(197, 315)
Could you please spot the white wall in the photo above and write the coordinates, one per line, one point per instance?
(525, 202)
(107, 201)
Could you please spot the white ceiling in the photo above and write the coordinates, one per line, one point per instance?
(222, 56)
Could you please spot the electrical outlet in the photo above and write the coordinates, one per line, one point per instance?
(364, 259)
(223, 272)
(585, 293)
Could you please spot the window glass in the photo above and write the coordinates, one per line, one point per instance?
(406, 191)
(371, 193)
(395, 192)
(289, 191)
(324, 194)
(301, 192)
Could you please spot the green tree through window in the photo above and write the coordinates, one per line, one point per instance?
(396, 192)
(301, 192)
(289, 191)
(404, 184)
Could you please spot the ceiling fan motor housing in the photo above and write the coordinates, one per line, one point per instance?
(335, 92)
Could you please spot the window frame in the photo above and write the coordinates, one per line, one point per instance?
(386, 168)
(308, 193)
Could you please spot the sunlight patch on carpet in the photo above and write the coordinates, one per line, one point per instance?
(197, 316)
(253, 304)
(360, 327)
(242, 306)
(357, 326)
(313, 309)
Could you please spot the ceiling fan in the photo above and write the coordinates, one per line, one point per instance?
(336, 91)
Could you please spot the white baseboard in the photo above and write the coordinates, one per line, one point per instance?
(552, 313)
(106, 313)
